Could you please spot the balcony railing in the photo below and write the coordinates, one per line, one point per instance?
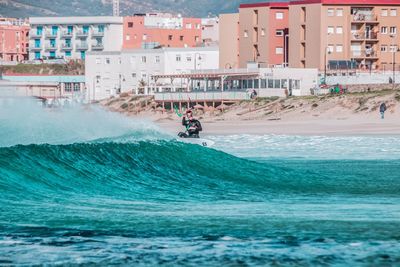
(364, 18)
(81, 47)
(51, 34)
(97, 47)
(364, 36)
(50, 47)
(66, 34)
(34, 34)
(97, 34)
(369, 53)
(82, 34)
(35, 48)
(66, 46)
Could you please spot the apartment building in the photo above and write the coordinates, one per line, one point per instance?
(229, 41)
(132, 70)
(13, 40)
(210, 31)
(263, 33)
(337, 34)
(73, 37)
(149, 31)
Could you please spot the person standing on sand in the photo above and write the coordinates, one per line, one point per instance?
(382, 110)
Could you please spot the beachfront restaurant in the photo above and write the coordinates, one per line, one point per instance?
(223, 87)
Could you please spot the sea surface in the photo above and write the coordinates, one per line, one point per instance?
(84, 186)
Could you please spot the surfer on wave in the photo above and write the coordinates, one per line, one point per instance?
(193, 126)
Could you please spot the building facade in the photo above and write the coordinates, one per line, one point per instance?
(132, 70)
(263, 34)
(73, 37)
(14, 40)
(338, 34)
(229, 41)
(160, 30)
(210, 31)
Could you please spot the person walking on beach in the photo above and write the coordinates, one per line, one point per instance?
(382, 110)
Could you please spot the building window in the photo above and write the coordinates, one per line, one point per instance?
(196, 39)
(157, 59)
(384, 12)
(279, 50)
(128, 37)
(67, 53)
(262, 32)
(98, 60)
(339, 48)
(393, 30)
(188, 59)
(130, 24)
(108, 61)
(133, 75)
(77, 87)
(245, 34)
(393, 12)
(188, 26)
(331, 30)
(143, 59)
(330, 48)
(384, 30)
(339, 30)
(339, 12)
(384, 48)
(181, 37)
(178, 58)
(144, 37)
(170, 37)
(393, 48)
(331, 12)
(68, 87)
(279, 32)
(279, 15)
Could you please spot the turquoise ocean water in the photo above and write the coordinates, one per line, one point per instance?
(89, 187)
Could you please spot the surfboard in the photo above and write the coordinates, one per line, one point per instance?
(198, 141)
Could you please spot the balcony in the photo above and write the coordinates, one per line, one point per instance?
(364, 18)
(364, 36)
(97, 34)
(82, 34)
(66, 34)
(66, 46)
(365, 54)
(35, 48)
(51, 47)
(97, 47)
(82, 47)
(34, 34)
(51, 34)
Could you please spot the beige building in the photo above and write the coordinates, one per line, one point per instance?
(340, 34)
(229, 41)
(263, 33)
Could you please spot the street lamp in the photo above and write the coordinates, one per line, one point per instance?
(394, 50)
(325, 56)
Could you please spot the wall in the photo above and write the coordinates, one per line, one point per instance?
(14, 42)
(229, 41)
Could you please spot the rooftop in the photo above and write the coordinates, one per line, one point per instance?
(75, 20)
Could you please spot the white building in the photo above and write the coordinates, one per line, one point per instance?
(108, 73)
(73, 37)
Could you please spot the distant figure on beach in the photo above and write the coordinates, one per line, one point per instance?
(253, 94)
(193, 126)
(382, 110)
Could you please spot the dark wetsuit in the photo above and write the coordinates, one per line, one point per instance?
(193, 128)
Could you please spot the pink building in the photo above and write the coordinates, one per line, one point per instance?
(263, 33)
(14, 40)
(154, 30)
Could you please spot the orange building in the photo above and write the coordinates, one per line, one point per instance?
(155, 30)
(338, 34)
(14, 40)
(263, 33)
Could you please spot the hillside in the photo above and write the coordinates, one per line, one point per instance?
(197, 8)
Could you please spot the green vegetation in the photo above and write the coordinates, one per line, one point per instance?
(72, 68)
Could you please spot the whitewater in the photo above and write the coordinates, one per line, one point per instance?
(84, 186)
